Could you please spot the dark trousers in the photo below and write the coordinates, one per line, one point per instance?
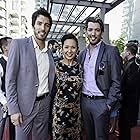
(96, 118)
(36, 124)
(128, 117)
(11, 131)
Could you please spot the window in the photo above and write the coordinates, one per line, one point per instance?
(15, 4)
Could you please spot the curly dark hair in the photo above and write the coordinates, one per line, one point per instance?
(96, 19)
(41, 11)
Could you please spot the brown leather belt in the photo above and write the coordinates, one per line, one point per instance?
(42, 97)
(94, 97)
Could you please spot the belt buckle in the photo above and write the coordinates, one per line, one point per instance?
(94, 97)
(89, 97)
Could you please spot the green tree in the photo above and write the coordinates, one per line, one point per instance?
(120, 43)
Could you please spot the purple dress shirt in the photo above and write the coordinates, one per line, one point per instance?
(89, 83)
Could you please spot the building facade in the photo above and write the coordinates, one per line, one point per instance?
(131, 19)
(14, 18)
(17, 20)
(3, 18)
(40, 3)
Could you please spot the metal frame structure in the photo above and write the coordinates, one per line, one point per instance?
(69, 15)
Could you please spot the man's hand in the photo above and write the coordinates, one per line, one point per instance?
(16, 119)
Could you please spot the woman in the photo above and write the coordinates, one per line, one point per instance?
(66, 107)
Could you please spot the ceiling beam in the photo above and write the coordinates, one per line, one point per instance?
(67, 23)
(56, 33)
(114, 4)
(82, 3)
(105, 7)
(50, 38)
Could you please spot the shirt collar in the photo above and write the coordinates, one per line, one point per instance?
(99, 44)
(96, 46)
(5, 57)
(36, 46)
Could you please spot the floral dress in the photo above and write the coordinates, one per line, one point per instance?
(66, 109)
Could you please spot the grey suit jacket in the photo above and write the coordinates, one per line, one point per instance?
(22, 76)
(107, 70)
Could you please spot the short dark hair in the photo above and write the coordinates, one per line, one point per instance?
(95, 20)
(41, 11)
(3, 41)
(69, 36)
(52, 42)
(132, 48)
(134, 41)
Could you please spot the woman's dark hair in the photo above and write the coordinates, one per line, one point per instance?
(41, 11)
(95, 20)
(69, 36)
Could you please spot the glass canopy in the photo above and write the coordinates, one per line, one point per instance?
(69, 15)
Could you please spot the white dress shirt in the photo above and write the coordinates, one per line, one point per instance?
(2, 97)
(43, 68)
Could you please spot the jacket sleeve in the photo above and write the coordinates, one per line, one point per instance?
(115, 77)
(11, 78)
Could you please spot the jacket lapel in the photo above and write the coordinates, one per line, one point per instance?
(99, 58)
(51, 69)
(126, 67)
(31, 52)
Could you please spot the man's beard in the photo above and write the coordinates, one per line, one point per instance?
(94, 43)
(41, 39)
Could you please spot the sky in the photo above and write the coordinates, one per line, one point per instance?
(114, 19)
